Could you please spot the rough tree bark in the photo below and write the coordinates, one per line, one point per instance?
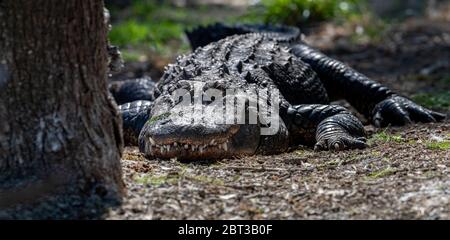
(59, 130)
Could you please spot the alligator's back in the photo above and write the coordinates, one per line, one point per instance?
(204, 35)
(243, 60)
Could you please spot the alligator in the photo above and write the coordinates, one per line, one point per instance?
(266, 61)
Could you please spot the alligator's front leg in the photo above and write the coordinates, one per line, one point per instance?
(134, 116)
(329, 127)
(378, 103)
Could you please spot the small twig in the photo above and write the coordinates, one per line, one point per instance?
(258, 169)
(252, 186)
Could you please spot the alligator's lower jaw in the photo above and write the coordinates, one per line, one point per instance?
(188, 151)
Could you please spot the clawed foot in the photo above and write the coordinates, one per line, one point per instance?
(400, 111)
(340, 132)
(341, 142)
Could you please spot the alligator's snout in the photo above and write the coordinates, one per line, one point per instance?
(168, 139)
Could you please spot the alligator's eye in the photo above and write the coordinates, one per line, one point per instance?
(209, 100)
(179, 100)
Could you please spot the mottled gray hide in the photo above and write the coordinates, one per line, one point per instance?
(4, 75)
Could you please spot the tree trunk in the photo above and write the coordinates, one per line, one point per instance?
(59, 130)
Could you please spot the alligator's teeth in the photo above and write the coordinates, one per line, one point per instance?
(225, 147)
(201, 149)
(168, 148)
(186, 147)
(212, 142)
(175, 144)
(152, 141)
(162, 150)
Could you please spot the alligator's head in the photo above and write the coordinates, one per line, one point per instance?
(192, 126)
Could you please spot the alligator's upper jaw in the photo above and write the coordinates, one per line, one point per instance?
(199, 142)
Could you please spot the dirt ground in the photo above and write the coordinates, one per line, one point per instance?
(404, 174)
(399, 178)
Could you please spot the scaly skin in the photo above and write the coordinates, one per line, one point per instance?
(329, 127)
(374, 100)
(305, 78)
(132, 90)
(134, 116)
(377, 102)
(202, 36)
(250, 61)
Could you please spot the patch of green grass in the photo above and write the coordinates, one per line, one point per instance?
(206, 179)
(376, 153)
(159, 26)
(302, 151)
(353, 159)
(368, 28)
(296, 12)
(439, 100)
(446, 80)
(162, 37)
(382, 173)
(157, 180)
(397, 138)
(330, 164)
(174, 178)
(142, 8)
(385, 138)
(444, 145)
(259, 210)
(430, 174)
(129, 32)
(131, 56)
(236, 178)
